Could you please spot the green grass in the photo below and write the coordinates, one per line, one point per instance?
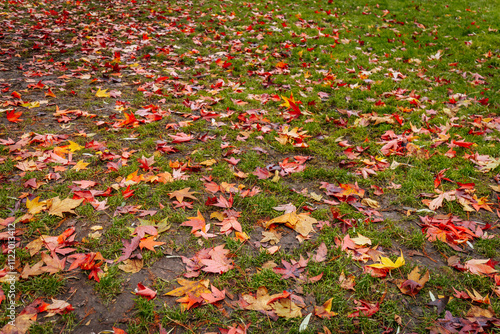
(375, 83)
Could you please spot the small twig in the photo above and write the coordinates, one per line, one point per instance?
(179, 324)
(427, 256)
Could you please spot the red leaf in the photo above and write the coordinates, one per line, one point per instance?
(127, 192)
(145, 292)
(13, 117)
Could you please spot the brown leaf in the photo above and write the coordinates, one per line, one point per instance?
(301, 223)
(347, 282)
(32, 271)
(286, 308)
(325, 311)
(260, 301)
(183, 193)
(415, 282)
(131, 265)
(476, 312)
(54, 265)
(21, 324)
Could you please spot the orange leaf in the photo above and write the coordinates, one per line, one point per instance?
(150, 243)
(13, 116)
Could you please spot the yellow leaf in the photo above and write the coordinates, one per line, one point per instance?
(386, 263)
(80, 165)
(35, 206)
(31, 105)
(286, 308)
(189, 288)
(361, 240)
(102, 93)
(208, 162)
(57, 207)
(73, 146)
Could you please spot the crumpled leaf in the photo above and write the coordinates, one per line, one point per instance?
(325, 311)
(286, 308)
(131, 265)
(414, 283)
(302, 223)
(145, 292)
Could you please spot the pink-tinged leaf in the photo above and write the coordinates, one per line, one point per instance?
(129, 247)
(262, 173)
(84, 184)
(181, 137)
(142, 230)
(321, 253)
(215, 296)
(145, 292)
(315, 279)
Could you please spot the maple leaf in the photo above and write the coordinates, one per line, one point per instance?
(150, 243)
(183, 193)
(54, 265)
(414, 283)
(261, 300)
(218, 262)
(325, 311)
(57, 307)
(197, 223)
(321, 253)
(301, 223)
(272, 237)
(146, 163)
(386, 263)
(290, 271)
(129, 247)
(34, 206)
(84, 184)
(143, 229)
(127, 192)
(21, 324)
(235, 329)
(476, 297)
(57, 207)
(181, 137)
(347, 282)
(189, 300)
(286, 308)
(73, 147)
(224, 203)
(131, 265)
(366, 309)
(191, 290)
(36, 270)
(145, 292)
(81, 165)
(214, 296)
(102, 93)
(480, 267)
(13, 116)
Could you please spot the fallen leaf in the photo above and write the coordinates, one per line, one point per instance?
(57, 207)
(145, 292)
(131, 265)
(386, 263)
